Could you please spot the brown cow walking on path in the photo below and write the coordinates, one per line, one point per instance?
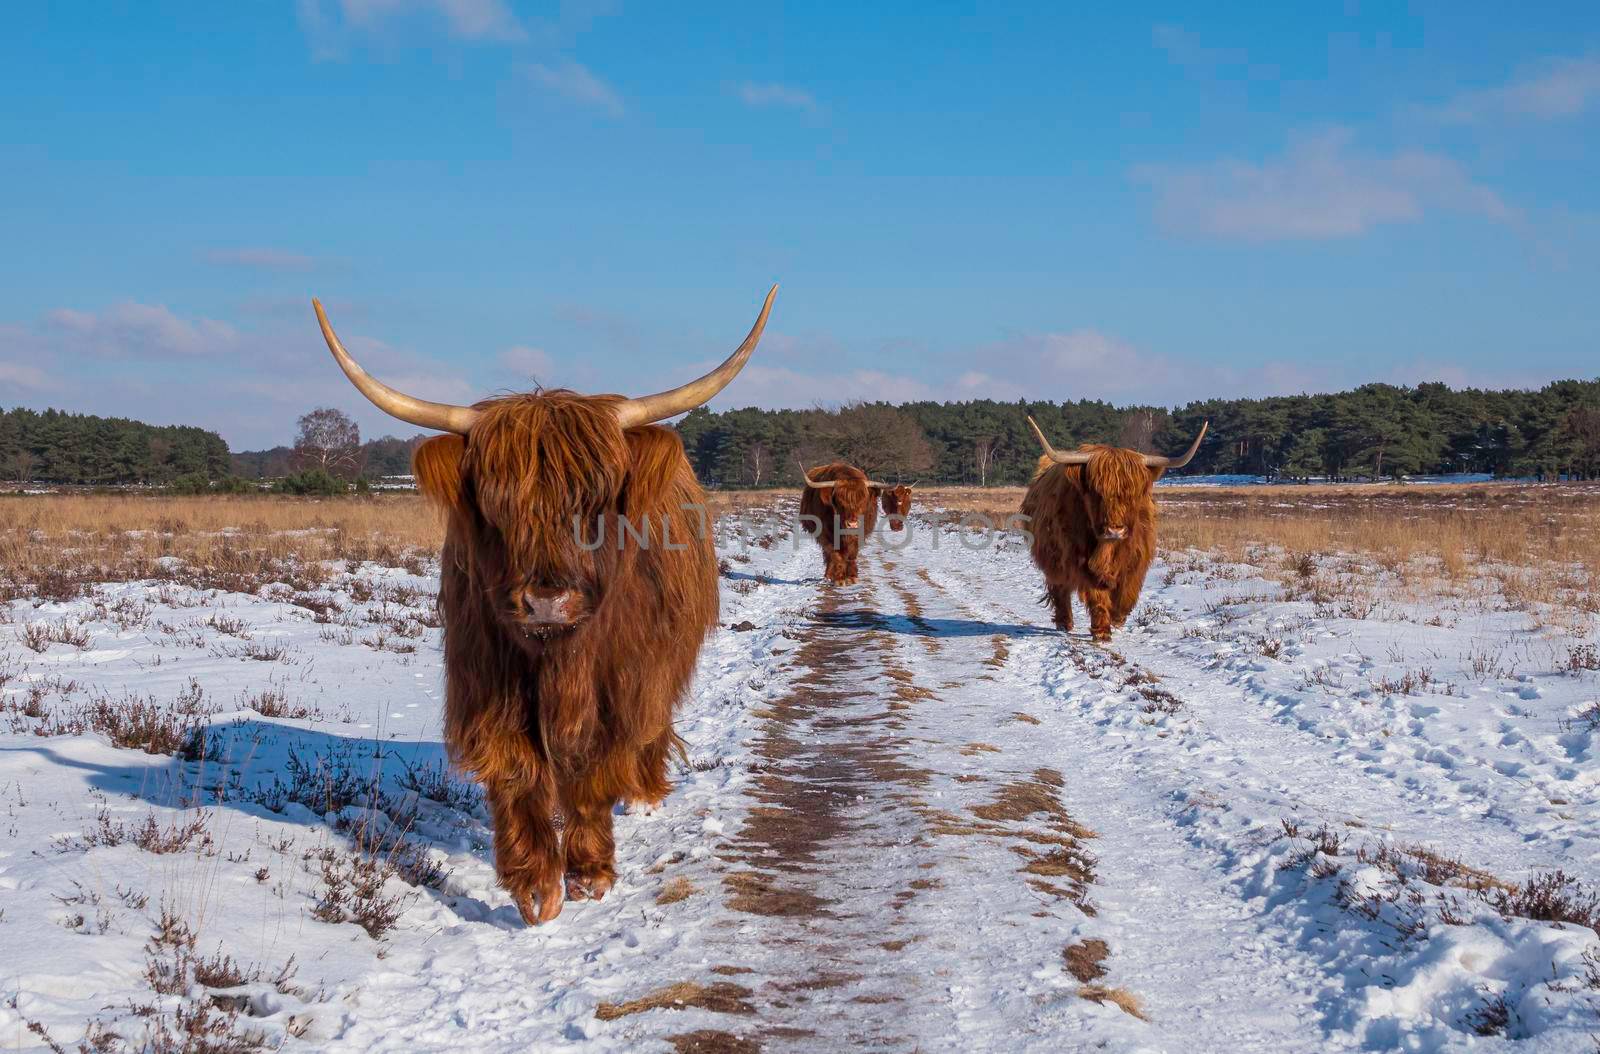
(577, 583)
(839, 508)
(897, 504)
(1092, 515)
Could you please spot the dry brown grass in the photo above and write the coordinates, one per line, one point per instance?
(58, 546)
(1512, 523)
(1120, 997)
(1521, 546)
(676, 889)
(1528, 544)
(1085, 960)
(722, 997)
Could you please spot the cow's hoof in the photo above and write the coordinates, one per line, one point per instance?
(645, 808)
(539, 906)
(589, 886)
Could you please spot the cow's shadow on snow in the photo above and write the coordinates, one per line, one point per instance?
(919, 626)
(328, 784)
(768, 580)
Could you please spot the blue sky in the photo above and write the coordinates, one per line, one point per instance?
(1151, 206)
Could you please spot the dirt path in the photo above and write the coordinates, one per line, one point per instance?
(877, 823)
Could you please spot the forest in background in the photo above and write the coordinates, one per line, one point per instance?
(1375, 431)
(53, 446)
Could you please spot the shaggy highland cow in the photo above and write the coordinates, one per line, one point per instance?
(897, 504)
(578, 581)
(839, 507)
(1093, 520)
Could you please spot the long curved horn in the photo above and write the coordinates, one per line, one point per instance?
(446, 417)
(641, 411)
(879, 484)
(1072, 457)
(1155, 461)
(823, 485)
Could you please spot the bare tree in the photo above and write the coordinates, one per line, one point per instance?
(160, 451)
(1139, 432)
(329, 440)
(1583, 426)
(983, 452)
(757, 461)
(811, 451)
(20, 465)
(878, 438)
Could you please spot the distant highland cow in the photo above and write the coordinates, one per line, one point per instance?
(839, 508)
(1092, 515)
(897, 504)
(565, 656)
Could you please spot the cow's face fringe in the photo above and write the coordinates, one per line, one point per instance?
(849, 498)
(1118, 491)
(897, 505)
(537, 481)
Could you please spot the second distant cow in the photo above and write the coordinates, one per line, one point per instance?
(839, 508)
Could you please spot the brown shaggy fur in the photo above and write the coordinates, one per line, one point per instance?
(1069, 508)
(897, 505)
(827, 514)
(570, 720)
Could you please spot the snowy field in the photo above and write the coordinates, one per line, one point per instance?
(1300, 804)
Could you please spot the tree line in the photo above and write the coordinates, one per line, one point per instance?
(54, 446)
(1376, 431)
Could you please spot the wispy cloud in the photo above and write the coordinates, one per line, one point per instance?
(1560, 88)
(773, 94)
(778, 387)
(1185, 47)
(1322, 186)
(22, 377)
(131, 329)
(529, 363)
(260, 258)
(327, 23)
(577, 83)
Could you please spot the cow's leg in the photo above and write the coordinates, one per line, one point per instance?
(527, 852)
(649, 786)
(852, 552)
(833, 565)
(1098, 601)
(586, 803)
(1123, 598)
(1061, 605)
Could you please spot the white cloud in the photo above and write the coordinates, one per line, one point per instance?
(140, 330)
(261, 258)
(327, 23)
(1561, 88)
(1322, 186)
(575, 82)
(530, 363)
(778, 387)
(22, 377)
(1185, 48)
(773, 94)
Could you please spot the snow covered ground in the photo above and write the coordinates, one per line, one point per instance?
(1268, 817)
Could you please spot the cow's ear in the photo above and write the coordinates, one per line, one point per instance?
(437, 466)
(655, 458)
(1156, 472)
